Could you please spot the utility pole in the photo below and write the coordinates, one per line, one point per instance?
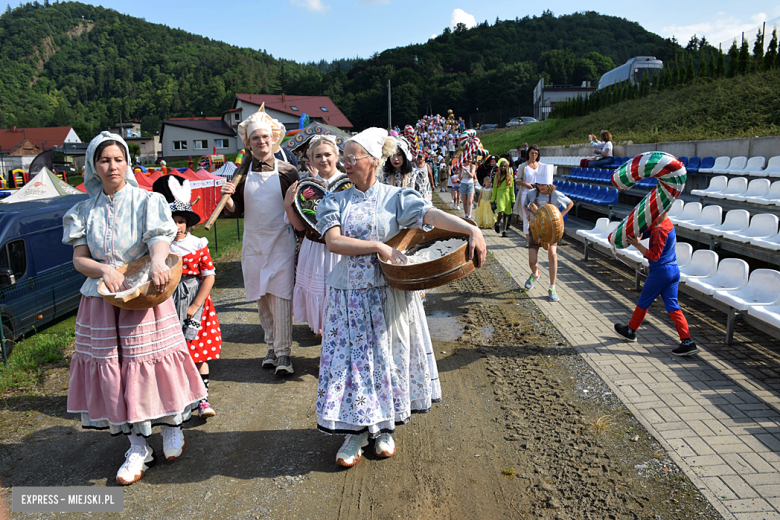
(389, 109)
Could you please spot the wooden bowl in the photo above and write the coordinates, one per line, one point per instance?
(146, 295)
(427, 275)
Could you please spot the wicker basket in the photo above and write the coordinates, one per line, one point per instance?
(145, 296)
(427, 275)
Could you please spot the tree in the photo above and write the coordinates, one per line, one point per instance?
(771, 53)
(703, 42)
(743, 62)
(701, 72)
(733, 57)
(711, 66)
(693, 44)
(689, 74)
(135, 151)
(758, 52)
(720, 69)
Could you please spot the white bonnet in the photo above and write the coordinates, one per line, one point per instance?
(372, 139)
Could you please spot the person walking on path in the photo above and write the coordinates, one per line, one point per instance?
(503, 196)
(268, 250)
(468, 174)
(544, 193)
(527, 184)
(131, 369)
(663, 280)
(377, 365)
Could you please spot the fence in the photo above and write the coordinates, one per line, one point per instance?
(502, 116)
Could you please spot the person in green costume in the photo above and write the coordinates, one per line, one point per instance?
(503, 196)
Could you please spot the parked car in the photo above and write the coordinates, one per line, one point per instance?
(488, 127)
(38, 282)
(520, 121)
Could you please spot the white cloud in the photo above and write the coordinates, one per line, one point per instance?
(721, 29)
(373, 2)
(434, 36)
(461, 16)
(311, 5)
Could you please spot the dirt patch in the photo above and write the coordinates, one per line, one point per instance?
(526, 430)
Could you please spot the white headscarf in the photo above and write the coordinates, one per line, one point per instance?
(372, 139)
(92, 182)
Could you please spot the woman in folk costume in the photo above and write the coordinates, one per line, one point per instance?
(377, 365)
(192, 296)
(503, 196)
(527, 181)
(131, 369)
(315, 262)
(268, 252)
(397, 170)
(421, 173)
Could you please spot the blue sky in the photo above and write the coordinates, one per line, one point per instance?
(310, 30)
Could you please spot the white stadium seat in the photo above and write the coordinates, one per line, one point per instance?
(736, 166)
(772, 167)
(676, 209)
(718, 184)
(756, 189)
(601, 226)
(711, 216)
(703, 263)
(772, 243)
(768, 314)
(721, 163)
(684, 251)
(633, 253)
(732, 275)
(761, 226)
(755, 166)
(736, 220)
(763, 288)
(772, 197)
(737, 186)
(603, 238)
(690, 212)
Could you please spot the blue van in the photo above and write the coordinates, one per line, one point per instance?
(38, 282)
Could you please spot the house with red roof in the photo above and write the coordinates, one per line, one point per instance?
(288, 110)
(19, 146)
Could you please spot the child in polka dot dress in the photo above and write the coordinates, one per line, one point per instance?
(192, 296)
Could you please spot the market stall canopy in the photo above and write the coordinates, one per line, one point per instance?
(301, 139)
(45, 185)
(226, 171)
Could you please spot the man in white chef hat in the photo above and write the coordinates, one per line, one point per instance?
(268, 252)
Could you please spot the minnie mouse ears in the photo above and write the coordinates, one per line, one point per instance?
(177, 192)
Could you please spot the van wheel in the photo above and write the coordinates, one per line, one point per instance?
(9, 342)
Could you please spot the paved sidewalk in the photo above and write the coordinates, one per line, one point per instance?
(717, 414)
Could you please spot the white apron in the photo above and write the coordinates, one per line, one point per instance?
(268, 253)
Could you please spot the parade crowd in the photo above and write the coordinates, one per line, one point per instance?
(135, 369)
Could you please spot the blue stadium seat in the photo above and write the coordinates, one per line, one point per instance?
(611, 197)
(683, 160)
(707, 162)
(694, 163)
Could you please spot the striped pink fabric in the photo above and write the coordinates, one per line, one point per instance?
(130, 366)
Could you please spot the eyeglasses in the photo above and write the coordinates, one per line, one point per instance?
(352, 160)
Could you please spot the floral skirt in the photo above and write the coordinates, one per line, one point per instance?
(131, 369)
(377, 365)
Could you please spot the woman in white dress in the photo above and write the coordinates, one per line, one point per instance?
(528, 181)
(315, 262)
(376, 365)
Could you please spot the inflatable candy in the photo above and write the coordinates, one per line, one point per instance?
(671, 175)
(465, 136)
(547, 226)
(307, 198)
(471, 148)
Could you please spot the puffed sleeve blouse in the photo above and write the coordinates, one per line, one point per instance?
(118, 231)
(396, 209)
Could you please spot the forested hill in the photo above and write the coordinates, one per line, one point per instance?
(67, 63)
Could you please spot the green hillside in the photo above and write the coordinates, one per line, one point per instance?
(743, 106)
(67, 63)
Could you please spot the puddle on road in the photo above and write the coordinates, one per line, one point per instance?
(444, 327)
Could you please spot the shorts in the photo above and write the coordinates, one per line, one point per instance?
(466, 188)
(532, 245)
(456, 187)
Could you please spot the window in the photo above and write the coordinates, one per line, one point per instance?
(324, 109)
(293, 108)
(180, 145)
(221, 143)
(201, 144)
(236, 116)
(13, 256)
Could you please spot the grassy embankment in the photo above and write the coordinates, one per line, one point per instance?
(745, 106)
(33, 354)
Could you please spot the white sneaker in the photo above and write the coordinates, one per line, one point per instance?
(137, 460)
(173, 442)
(351, 451)
(384, 446)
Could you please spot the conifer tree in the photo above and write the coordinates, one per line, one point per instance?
(758, 52)
(676, 71)
(720, 69)
(711, 66)
(733, 59)
(701, 72)
(644, 86)
(743, 62)
(771, 52)
(689, 74)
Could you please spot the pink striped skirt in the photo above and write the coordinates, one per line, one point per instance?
(131, 369)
